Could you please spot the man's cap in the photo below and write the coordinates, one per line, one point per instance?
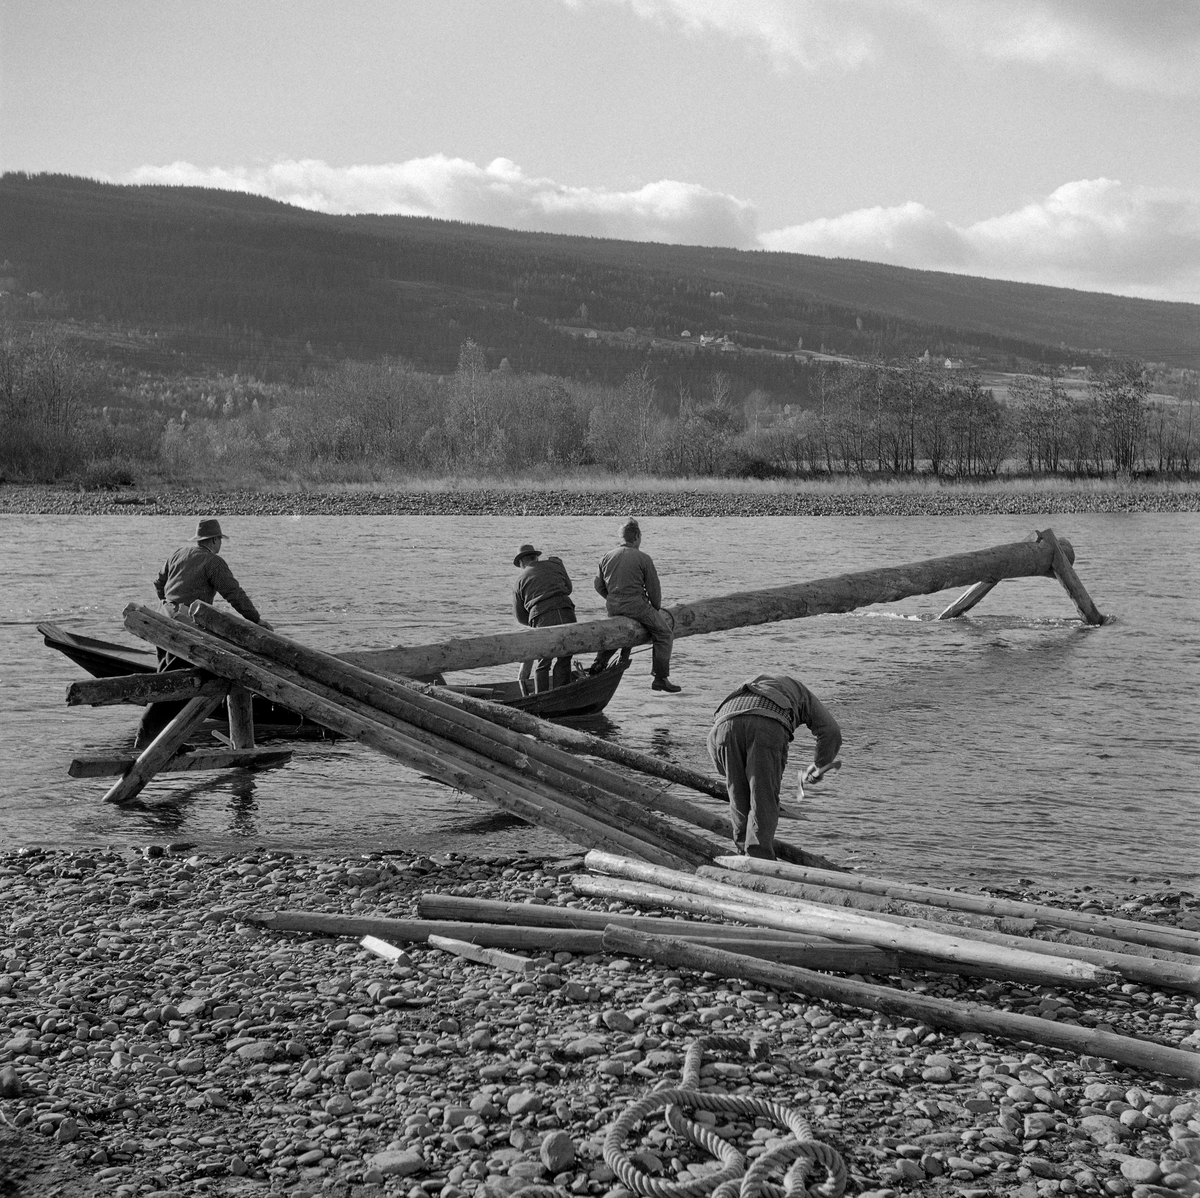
(526, 551)
(209, 528)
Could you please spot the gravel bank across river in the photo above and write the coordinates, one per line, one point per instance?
(153, 1040)
(48, 501)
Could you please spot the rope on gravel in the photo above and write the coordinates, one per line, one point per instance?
(796, 1157)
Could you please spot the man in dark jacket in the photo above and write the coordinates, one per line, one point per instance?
(748, 743)
(541, 597)
(196, 571)
(629, 583)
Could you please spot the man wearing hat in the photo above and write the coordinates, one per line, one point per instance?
(195, 571)
(541, 597)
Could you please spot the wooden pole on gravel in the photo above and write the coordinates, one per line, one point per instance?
(843, 925)
(840, 958)
(843, 592)
(1178, 940)
(961, 1017)
(448, 764)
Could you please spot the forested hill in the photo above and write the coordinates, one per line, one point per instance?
(238, 279)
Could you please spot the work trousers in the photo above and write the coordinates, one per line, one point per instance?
(658, 625)
(751, 752)
(543, 679)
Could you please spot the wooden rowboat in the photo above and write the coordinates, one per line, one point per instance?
(585, 695)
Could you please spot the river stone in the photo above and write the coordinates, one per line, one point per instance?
(1104, 1129)
(10, 1082)
(1140, 1171)
(1040, 1123)
(397, 1163)
(524, 1102)
(557, 1152)
(585, 1046)
(618, 1021)
(1101, 1092)
(359, 1079)
(257, 1051)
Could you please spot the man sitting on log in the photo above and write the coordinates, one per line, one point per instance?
(541, 597)
(629, 583)
(748, 743)
(196, 571)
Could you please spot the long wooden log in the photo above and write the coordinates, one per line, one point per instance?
(1178, 940)
(172, 686)
(627, 800)
(1182, 974)
(937, 1012)
(839, 958)
(100, 766)
(830, 896)
(164, 746)
(1064, 571)
(843, 592)
(281, 685)
(473, 910)
(863, 929)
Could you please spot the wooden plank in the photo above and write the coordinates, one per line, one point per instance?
(241, 717)
(164, 746)
(936, 1012)
(167, 687)
(483, 956)
(349, 717)
(840, 593)
(202, 759)
(1064, 571)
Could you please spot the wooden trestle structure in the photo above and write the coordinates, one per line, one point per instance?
(522, 764)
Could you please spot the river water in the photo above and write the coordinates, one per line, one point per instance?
(1012, 743)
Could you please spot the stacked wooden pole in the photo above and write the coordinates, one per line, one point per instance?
(590, 806)
(979, 951)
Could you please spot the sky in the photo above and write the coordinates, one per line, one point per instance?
(1044, 141)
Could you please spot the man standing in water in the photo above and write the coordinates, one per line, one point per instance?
(541, 598)
(196, 571)
(629, 583)
(748, 743)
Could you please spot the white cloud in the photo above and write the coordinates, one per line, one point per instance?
(1093, 234)
(498, 194)
(1139, 46)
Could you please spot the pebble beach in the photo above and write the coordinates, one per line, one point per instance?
(155, 1040)
(935, 501)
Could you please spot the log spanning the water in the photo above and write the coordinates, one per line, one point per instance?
(841, 593)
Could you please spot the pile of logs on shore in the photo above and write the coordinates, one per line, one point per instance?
(780, 936)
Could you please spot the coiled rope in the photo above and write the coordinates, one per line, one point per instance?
(796, 1157)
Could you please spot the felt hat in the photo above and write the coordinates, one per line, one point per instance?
(209, 528)
(526, 550)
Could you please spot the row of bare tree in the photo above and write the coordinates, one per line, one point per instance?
(359, 420)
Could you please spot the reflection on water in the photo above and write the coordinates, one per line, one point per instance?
(1011, 742)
